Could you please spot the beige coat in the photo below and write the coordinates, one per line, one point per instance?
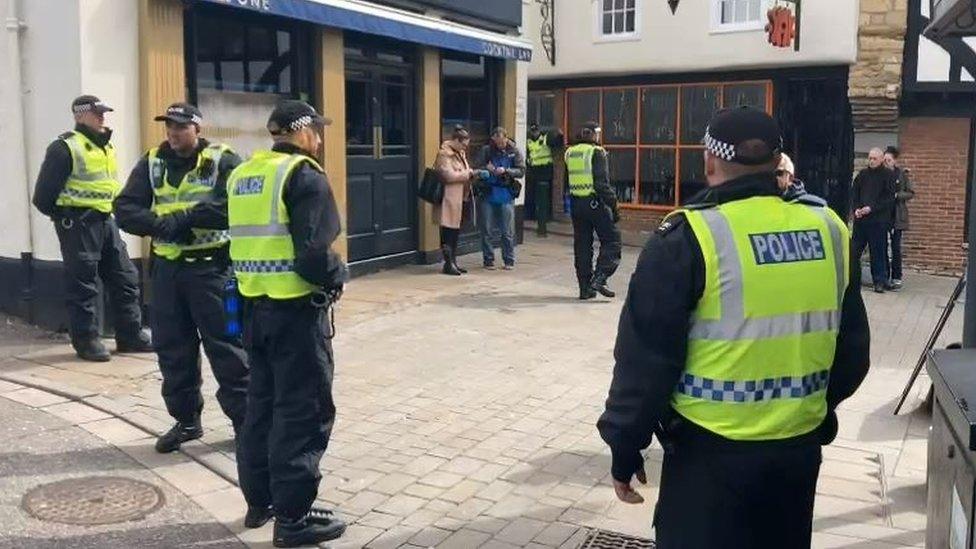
(452, 166)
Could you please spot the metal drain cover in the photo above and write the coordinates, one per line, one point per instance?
(605, 539)
(92, 500)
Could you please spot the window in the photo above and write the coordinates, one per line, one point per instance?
(653, 134)
(542, 110)
(732, 15)
(617, 19)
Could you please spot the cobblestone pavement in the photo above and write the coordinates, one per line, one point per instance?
(466, 412)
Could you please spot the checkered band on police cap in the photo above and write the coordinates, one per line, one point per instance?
(89, 103)
(719, 148)
(290, 116)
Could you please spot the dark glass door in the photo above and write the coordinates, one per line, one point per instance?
(381, 186)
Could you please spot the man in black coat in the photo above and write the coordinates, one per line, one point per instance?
(873, 202)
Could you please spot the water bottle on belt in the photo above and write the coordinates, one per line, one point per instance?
(232, 309)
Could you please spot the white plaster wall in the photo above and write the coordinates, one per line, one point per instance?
(15, 237)
(69, 47)
(686, 42)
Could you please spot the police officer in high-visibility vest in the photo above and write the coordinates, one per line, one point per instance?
(594, 209)
(739, 337)
(75, 187)
(283, 219)
(541, 148)
(177, 195)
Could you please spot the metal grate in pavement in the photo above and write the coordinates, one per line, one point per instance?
(605, 539)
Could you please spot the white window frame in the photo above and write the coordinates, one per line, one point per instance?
(599, 37)
(719, 27)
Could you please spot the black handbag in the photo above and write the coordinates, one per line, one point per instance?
(431, 187)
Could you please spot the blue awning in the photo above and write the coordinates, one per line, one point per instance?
(392, 23)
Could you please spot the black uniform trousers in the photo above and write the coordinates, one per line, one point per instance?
(92, 248)
(874, 237)
(290, 411)
(730, 498)
(540, 190)
(187, 308)
(591, 216)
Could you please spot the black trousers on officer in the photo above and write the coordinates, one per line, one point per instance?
(92, 248)
(588, 220)
(290, 411)
(729, 498)
(187, 308)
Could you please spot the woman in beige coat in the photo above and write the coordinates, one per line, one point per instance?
(456, 174)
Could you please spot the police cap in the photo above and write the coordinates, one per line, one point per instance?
(292, 115)
(743, 135)
(86, 103)
(181, 113)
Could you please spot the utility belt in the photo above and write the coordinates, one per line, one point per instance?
(677, 434)
(321, 299)
(68, 216)
(208, 256)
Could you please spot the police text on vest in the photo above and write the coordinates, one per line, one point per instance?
(249, 185)
(787, 247)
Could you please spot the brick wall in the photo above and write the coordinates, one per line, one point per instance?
(936, 152)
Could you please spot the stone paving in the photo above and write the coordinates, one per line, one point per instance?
(466, 412)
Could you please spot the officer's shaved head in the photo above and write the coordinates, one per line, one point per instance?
(875, 157)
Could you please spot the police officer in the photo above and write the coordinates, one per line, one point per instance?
(283, 219)
(739, 337)
(177, 195)
(594, 209)
(538, 196)
(75, 188)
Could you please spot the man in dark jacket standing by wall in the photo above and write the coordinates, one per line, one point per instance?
(873, 202)
(504, 164)
(177, 195)
(75, 188)
(904, 191)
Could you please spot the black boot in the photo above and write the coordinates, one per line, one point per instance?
(180, 433)
(600, 285)
(139, 343)
(449, 267)
(586, 293)
(307, 530)
(92, 350)
(257, 517)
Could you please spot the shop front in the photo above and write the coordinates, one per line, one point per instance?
(393, 80)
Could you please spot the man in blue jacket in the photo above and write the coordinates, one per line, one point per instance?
(504, 164)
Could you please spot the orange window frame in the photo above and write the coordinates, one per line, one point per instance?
(677, 147)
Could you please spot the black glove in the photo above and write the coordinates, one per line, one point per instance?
(626, 462)
(173, 227)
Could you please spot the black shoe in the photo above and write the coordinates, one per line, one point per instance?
(450, 268)
(92, 350)
(321, 515)
(459, 268)
(257, 517)
(600, 285)
(879, 288)
(141, 343)
(587, 293)
(180, 433)
(306, 531)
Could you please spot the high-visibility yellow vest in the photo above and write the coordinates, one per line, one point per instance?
(579, 165)
(94, 181)
(539, 152)
(197, 185)
(261, 246)
(764, 332)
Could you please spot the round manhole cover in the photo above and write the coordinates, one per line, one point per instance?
(93, 500)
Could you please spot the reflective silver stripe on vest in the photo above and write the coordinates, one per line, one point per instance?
(754, 390)
(835, 239)
(208, 237)
(194, 196)
(273, 228)
(75, 193)
(265, 266)
(733, 324)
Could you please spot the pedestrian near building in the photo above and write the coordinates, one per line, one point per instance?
(177, 194)
(874, 201)
(503, 164)
(594, 210)
(541, 148)
(283, 220)
(739, 337)
(455, 172)
(75, 187)
(904, 191)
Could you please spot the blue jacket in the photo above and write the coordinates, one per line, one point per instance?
(510, 158)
